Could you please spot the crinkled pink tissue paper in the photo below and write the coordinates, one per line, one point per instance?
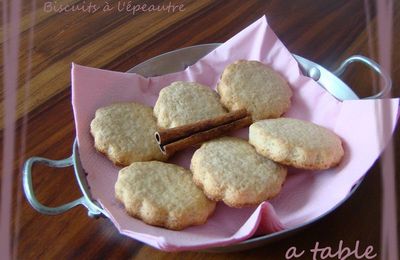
(306, 195)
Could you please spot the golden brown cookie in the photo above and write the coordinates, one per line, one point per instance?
(256, 87)
(183, 103)
(229, 169)
(297, 143)
(162, 194)
(125, 133)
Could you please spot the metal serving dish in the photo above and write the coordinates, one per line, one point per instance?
(176, 61)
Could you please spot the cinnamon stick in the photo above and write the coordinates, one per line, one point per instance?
(178, 138)
(170, 135)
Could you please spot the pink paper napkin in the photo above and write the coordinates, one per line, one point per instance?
(306, 195)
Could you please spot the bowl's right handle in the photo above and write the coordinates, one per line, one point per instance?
(30, 194)
(387, 82)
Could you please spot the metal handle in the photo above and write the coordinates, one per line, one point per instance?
(30, 195)
(387, 82)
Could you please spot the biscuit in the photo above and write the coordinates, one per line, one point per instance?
(296, 143)
(162, 194)
(255, 87)
(124, 132)
(184, 103)
(229, 169)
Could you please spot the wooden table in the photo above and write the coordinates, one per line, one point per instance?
(323, 31)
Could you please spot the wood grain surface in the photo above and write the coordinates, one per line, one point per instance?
(323, 31)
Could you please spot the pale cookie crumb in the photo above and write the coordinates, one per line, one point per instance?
(162, 194)
(124, 132)
(184, 103)
(229, 169)
(256, 87)
(297, 143)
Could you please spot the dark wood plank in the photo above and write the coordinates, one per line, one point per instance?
(89, 39)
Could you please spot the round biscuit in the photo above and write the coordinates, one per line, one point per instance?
(297, 143)
(124, 132)
(229, 169)
(256, 87)
(184, 103)
(162, 194)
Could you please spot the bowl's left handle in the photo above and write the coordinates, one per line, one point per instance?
(28, 187)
